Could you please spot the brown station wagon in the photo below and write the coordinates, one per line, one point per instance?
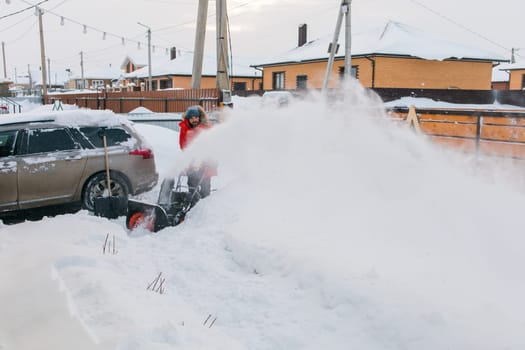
(58, 158)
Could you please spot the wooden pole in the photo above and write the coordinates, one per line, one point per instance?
(334, 47)
(3, 56)
(348, 39)
(223, 78)
(42, 52)
(198, 53)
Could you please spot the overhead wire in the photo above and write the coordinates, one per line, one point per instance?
(23, 10)
(62, 18)
(459, 24)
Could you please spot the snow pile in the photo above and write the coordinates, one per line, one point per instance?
(331, 228)
(422, 102)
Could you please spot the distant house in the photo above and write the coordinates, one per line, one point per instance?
(393, 56)
(96, 78)
(516, 72)
(500, 77)
(177, 74)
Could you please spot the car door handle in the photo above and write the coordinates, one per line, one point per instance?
(73, 158)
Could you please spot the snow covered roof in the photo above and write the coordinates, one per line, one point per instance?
(513, 66)
(141, 60)
(393, 39)
(100, 72)
(499, 75)
(58, 77)
(183, 65)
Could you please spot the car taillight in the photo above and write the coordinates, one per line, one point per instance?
(146, 153)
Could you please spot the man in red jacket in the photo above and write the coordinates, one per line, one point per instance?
(194, 122)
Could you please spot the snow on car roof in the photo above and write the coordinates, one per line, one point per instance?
(68, 117)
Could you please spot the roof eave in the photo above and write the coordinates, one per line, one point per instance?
(321, 59)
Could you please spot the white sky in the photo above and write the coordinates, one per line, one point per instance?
(314, 240)
(258, 28)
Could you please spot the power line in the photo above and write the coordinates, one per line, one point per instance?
(458, 24)
(24, 33)
(85, 27)
(22, 10)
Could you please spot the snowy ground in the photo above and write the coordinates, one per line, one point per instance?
(330, 228)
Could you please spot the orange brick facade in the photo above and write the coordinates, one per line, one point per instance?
(517, 80)
(184, 82)
(390, 72)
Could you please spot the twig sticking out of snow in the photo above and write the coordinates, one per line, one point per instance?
(107, 244)
(153, 285)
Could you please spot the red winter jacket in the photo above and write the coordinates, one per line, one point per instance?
(187, 134)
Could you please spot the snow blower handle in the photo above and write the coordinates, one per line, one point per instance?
(102, 135)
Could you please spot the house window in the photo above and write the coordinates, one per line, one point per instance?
(80, 84)
(166, 84)
(95, 84)
(354, 72)
(523, 81)
(239, 86)
(278, 81)
(300, 82)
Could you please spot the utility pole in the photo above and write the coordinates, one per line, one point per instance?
(30, 80)
(3, 56)
(343, 10)
(512, 55)
(223, 78)
(82, 69)
(150, 82)
(42, 52)
(198, 52)
(345, 6)
(49, 72)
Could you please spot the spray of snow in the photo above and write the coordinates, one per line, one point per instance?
(331, 228)
(374, 214)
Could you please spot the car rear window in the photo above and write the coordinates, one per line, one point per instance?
(114, 136)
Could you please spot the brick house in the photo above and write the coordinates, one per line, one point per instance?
(516, 72)
(393, 56)
(176, 73)
(96, 78)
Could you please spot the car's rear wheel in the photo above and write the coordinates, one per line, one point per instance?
(97, 187)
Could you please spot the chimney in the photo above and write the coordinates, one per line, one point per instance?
(302, 35)
(173, 53)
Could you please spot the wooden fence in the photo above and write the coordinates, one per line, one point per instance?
(169, 101)
(498, 133)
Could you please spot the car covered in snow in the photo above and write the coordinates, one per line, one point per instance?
(57, 158)
(277, 98)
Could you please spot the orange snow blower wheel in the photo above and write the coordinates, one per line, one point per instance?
(138, 219)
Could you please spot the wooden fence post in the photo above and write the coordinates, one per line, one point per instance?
(479, 124)
(412, 119)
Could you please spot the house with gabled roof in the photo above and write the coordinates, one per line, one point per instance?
(500, 77)
(393, 56)
(177, 74)
(96, 78)
(135, 61)
(516, 73)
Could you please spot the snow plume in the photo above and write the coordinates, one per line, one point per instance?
(332, 228)
(400, 246)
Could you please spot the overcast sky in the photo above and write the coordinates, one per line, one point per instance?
(259, 28)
